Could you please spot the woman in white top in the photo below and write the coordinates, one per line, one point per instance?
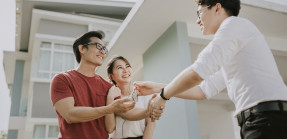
(132, 124)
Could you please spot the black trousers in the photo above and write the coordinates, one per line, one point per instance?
(265, 125)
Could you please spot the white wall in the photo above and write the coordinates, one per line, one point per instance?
(215, 120)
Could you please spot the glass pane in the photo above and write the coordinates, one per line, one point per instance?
(64, 47)
(39, 131)
(53, 74)
(53, 131)
(44, 62)
(46, 45)
(68, 61)
(43, 75)
(63, 61)
(57, 62)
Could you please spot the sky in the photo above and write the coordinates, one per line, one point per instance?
(7, 37)
(4, 98)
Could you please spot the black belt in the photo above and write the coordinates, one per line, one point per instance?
(262, 107)
(140, 137)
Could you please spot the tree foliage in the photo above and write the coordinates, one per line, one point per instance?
(3, 135)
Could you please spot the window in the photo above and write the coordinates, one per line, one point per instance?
(53, 131)
(55, 58)
(39, 131)
(46, 132)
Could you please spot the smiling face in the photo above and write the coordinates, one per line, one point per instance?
(122, 72)
(204, 19)
(92, 54)
(210, 18)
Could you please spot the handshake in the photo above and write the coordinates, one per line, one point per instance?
(155, 107)
(156, 103)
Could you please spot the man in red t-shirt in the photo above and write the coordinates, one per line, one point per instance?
(79, 96)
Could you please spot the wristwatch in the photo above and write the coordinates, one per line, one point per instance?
(161, 94)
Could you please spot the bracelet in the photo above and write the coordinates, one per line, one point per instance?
(161, 94)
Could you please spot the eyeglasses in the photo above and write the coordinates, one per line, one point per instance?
(98, 46)
(199, 12)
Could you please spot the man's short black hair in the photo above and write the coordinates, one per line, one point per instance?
(232, 7)
(84, 39)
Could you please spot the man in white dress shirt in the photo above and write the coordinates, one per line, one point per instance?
(239, 59)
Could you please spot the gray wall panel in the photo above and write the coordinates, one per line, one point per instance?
(17, 88)
(165, 59)
(12, 134)
(42, 106)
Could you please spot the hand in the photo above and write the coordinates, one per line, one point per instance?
(158, 105)
(121, 105)
(114, 92)
(148, 87)
(156, 113)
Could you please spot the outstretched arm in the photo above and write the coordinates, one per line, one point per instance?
(194, 93)
(76, 114)
(184, 81)
(148, 87)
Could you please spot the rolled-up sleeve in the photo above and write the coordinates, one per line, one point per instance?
(213, 85)
(226, 44)
(214, 56)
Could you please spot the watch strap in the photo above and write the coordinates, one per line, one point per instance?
(161, 94)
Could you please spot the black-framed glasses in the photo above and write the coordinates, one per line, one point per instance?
(199, 12)
(98, 46)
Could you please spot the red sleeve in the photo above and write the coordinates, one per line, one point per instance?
(59, 88)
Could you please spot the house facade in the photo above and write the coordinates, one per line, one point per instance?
(158, 42)
(44, 50)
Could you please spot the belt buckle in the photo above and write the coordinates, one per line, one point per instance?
(239, 118)
(242, 116)
(247, 113)
(284, 105)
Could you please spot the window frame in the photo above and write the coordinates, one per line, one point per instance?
(39, 39)
(52, 51)
(47, 125)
